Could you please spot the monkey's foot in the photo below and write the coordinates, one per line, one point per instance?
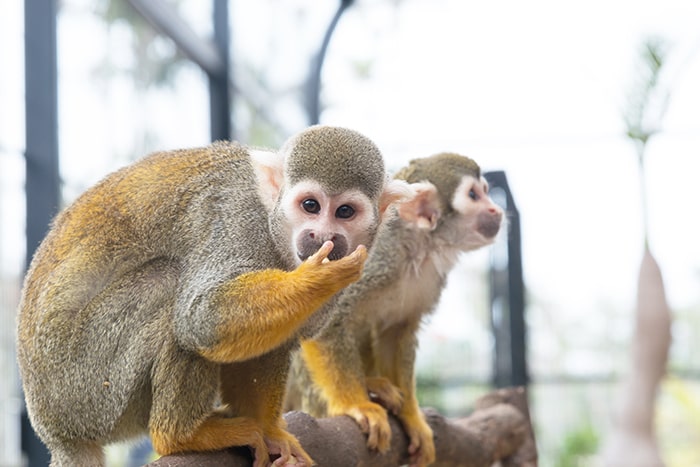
(280, 442)
(422, 447)
(373, 421)
(383, 391)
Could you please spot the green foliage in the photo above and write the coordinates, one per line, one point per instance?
(430, 393)
(648, 99)
(578, 445)
(646, 105)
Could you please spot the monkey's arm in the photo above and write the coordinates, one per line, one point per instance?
(260, 310)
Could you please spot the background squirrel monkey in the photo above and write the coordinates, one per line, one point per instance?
(181, 282)
(369, 345)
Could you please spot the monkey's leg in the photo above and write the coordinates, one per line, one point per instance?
(341, 379)
(301, 392)
(396, 353)
(255, 389)
(261, 310)
(182, 415)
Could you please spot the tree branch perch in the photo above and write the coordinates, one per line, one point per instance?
(499, 429)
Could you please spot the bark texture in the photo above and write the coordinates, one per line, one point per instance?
(499, 429)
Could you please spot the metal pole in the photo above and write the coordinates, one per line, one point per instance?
(507, 295)
(41, 156)
(219, 95)
(41, 101)
(313, 87)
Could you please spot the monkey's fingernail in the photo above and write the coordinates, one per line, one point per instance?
(325, 260)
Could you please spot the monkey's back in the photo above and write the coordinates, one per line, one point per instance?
(98, 300)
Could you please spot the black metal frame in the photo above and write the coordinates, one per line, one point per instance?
(41, 153)
(508, 297)
(213, 57)
(313, 82)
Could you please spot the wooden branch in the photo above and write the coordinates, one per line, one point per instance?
(498, 429)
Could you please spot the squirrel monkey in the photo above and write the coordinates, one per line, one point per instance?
(167, 298)
(369, 345)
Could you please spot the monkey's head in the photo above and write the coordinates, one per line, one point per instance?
(332, 186)
(453, 197)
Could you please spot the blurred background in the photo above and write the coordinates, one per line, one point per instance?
(565, 97)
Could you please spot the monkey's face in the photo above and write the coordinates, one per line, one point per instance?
(478, 217)
(313, 216)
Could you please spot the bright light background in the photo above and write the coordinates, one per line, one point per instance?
(532, 88)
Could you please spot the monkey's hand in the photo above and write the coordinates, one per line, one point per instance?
(280, 442)
(260, 310)
(337, 274)
(386, 394)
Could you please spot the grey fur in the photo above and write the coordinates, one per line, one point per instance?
(347, 149)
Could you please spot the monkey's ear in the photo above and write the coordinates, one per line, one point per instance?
(423, 210)
(395, 191)
(269, 170)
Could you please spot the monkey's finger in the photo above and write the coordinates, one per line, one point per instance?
(373, 437)
(360, 419)
(291, 460)
(322, 253)
(384, 438)
(379, 437)
(414, 446)
(359, 256)
(421, 448)
(261, 458)
(417, 459)
(373, 420)
(360, 251)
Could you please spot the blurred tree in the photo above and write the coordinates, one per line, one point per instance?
(646, 106)
(633, 439)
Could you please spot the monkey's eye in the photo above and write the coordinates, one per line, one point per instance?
(311, 206)
(473, 195)
(344, 212)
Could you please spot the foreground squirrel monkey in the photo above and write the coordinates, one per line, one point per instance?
(369, 345)
(168, 297)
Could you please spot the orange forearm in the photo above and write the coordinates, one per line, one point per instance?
(263, 309)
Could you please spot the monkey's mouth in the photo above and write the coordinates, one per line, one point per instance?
(489, 224)
(489, 229)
